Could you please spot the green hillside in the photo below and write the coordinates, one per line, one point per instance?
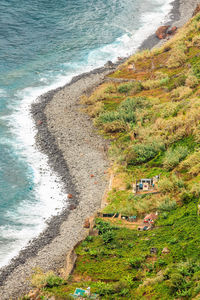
(150, 110)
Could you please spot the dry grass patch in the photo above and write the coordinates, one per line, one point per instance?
(181, 92)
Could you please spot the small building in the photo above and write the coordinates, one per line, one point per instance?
(146, 184)
(150, 218)
(80, 294)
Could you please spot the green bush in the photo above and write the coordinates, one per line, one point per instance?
(195, 190)
(115, 121)
(186, 197)
(89, 238)
(108, 237)
(170, 185)
(103, 288)
(53, 280)
(141, 153)
(175, 282)
(104, 227)
(174, 156)
(196, 68)
(135, 263)
(167, 205)
(110, 89)
(125, 87)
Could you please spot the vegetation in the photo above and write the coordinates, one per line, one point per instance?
(153, 122)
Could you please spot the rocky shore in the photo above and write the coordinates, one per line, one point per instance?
(75, 152)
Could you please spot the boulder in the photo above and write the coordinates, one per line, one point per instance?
(69, 196)
(161, 32)
(197, 10)
(39, 122)
(86, 223)
(109, 64)
(172, 30)
(72, 207)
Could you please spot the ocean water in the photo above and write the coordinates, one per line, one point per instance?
(43, 44)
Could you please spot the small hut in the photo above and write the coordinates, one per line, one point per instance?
(150, 218)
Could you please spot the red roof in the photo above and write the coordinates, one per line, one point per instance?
(151, 216)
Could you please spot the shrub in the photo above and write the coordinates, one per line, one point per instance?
(95, 109)
(175, 282)
(167, 205)
(181, 92)
(108, 237)
(174, 156)
(53, 280)
(195, 190)
(180, 80)
(134, 87)
(159, 75)
(110, 89)
(114, 121)
(128, 186)
(135, 263)
(186, 197)
(102, 226)
(171, 109)
(151, 84)
(170, 185)
(89, 238)
(177, 57)
(196, 41)
(125, 87)
(103, 288)
(191, 81)
(141, 153)
(196, 68)
(195, 170)
(115, 126)
(164, 81)
(49, 279)
(134, 103)
(192, 161)
(166, 185)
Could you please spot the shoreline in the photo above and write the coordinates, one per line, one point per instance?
(13, 277)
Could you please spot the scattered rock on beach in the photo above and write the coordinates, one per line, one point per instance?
(86, 223)
(164, 32)
(197, 10)
(161, 32)
(172, 30)
(39, 122)
(72, 207)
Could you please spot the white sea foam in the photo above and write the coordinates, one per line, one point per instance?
(50, 198)
(2, 93)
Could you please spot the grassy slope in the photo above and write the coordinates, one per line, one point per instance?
(153, 121)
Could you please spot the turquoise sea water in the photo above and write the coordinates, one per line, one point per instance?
(43, 43)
